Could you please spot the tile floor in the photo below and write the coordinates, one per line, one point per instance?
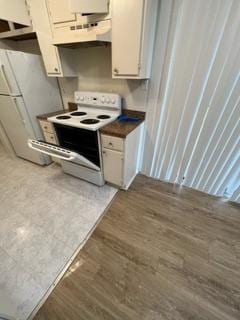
(45, 216)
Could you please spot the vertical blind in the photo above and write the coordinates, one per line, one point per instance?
(193, 118)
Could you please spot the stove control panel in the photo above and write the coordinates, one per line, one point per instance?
(98, 99)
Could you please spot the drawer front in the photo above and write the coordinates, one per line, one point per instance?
(46, 126)
(50, 137)
(113, 143)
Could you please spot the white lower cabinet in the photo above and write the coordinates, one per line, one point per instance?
(113, 166)
(121, 157)
(49, 135)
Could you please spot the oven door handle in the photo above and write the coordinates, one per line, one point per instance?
(60, 153)
(51, 150)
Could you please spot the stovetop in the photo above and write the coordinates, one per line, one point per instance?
(95, 110)
(86, 118)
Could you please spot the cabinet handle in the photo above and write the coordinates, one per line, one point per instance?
(56, 69)
(104, 152)
(115, 70)
(110, 144)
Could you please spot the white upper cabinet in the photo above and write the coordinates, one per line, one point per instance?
(60, 11)
(129, 24)
(133, 31)
(50, 54)
(15, 11)
(89, 6)
(59, 62)
(126, 34)
(15, 21)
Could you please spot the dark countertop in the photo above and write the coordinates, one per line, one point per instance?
(71, 107)
(122, 129)
(116, 128)
(51, 114)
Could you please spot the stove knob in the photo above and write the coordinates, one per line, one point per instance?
(107, 100)
(103, 99)
(113, 100)
(81, 98)
(77, 98)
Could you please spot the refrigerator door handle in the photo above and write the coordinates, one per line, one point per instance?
(17, 110)
(5, 79)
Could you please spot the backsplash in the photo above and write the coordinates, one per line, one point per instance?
(94, 68)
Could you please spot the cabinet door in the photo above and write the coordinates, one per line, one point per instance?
(60, 11)
(50, 137)
(46, 126)
(86, 6)
(50, 54)
(113, 166)
(42, 26)
(127, 21)
(15, 11)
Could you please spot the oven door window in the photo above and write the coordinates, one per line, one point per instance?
(82, 141)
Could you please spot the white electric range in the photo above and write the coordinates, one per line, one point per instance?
(77, 132)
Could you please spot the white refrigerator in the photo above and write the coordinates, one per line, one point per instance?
(25, 92)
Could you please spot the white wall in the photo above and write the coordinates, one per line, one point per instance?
(94, 69)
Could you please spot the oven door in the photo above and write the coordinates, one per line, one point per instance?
(61, 153)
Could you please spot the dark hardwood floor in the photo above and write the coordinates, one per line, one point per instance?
(160, 253)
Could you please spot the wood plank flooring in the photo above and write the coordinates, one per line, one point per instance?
(160, 253)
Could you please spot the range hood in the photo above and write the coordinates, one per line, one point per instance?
(85, 23)
(87, 32)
